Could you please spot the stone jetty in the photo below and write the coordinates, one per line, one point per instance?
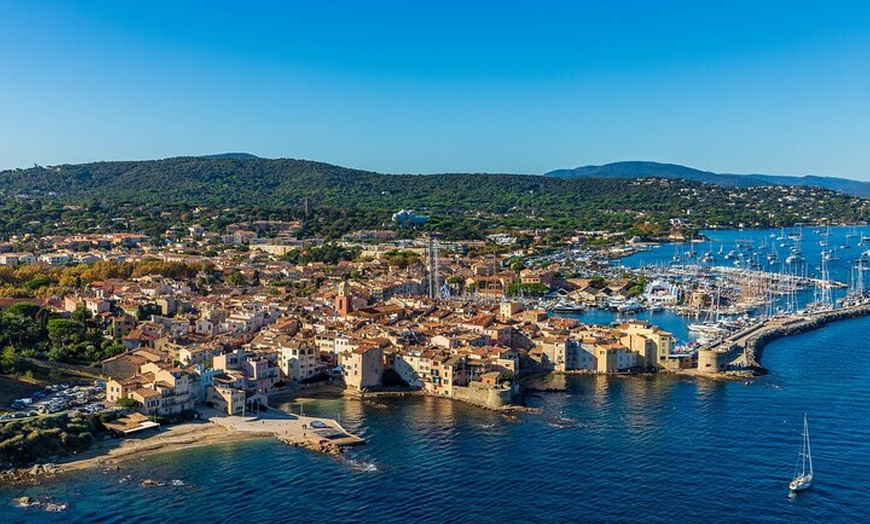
(740, 353)
(315, 433)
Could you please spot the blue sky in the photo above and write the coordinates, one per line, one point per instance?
(416, 87)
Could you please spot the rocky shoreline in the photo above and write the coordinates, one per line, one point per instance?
(29, 476)
(43, 504)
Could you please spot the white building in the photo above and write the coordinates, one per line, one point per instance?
(298, 361)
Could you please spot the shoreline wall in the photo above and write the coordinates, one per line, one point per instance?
(484, 397)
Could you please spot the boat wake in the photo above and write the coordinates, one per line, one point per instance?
(363, 466)
(561, 422)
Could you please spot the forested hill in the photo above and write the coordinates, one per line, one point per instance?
(646, 169)
(344, 198)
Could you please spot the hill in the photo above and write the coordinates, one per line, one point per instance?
(232, 156)
(153, 196)
(644, 169)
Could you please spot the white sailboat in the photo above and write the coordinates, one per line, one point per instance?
(803, 476)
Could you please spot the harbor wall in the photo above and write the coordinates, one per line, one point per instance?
(485, 397)
(476, 395)
(755, 345)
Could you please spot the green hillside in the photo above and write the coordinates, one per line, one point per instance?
(151, 196)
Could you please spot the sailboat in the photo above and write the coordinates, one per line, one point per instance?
(804, 479)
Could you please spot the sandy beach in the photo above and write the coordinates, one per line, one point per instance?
(218, 430)
(173, 438)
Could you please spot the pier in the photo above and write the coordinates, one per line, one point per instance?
(742, 350)
(317, 433)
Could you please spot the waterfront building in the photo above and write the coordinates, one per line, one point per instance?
(363, 367)
(298, 359)
(227, 399)
(614, 357)
(651, 344)
(580, 356)
(157, 388)
(661, 293)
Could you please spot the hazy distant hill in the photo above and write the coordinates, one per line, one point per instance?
(645, 169)
(232, 156)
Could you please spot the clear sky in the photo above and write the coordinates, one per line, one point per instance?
(417, 87)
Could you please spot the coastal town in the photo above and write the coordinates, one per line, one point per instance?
(388, 262)
(399, 316)
(453, 319)
(224, 327)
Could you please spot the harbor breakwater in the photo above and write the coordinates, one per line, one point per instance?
(754, 345)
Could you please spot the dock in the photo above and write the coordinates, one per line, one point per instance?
(318, 433)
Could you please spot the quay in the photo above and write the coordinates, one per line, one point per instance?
(741, 351)
(317, 433)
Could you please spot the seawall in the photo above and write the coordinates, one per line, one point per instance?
(496, 399)
(489, 398)
(755, 344)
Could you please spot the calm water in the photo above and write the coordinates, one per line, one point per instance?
(637, 449)
(844, 242)
(651, 449)
(842, 269)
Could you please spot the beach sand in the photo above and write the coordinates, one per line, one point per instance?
(172, 438)
(220, 429)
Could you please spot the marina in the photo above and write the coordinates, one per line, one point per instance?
(730, 310)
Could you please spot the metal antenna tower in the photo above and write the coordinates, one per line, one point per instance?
(432, 249)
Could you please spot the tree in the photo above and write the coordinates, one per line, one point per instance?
(81, 315)
(62, 331)
(10, 361)
(23, 309)
(517, 265)
(127, 403)
(237, 279)
(505, 376)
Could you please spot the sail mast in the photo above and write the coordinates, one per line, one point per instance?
(807, 439)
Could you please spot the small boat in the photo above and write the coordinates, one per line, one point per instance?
(568, 307)
(707, 328)
(630, 306)
(803, 477)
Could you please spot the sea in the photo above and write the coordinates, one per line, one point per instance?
(644, 449)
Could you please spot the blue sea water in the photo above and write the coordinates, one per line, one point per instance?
(611, 449)
(845, 242)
